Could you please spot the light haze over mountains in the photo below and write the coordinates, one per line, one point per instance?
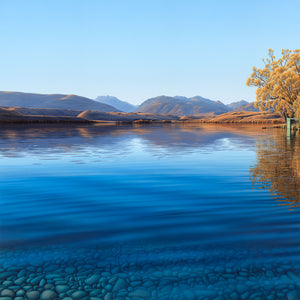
(177, 105)
(181, 106)
(117, 103)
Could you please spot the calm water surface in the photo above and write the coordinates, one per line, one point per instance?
(181, 212)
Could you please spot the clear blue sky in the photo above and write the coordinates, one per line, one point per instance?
(137, 49)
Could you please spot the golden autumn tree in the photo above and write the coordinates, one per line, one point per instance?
(278, 84)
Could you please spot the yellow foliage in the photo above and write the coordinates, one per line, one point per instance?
(278, 83)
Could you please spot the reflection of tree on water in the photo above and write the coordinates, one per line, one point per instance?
(278, 168)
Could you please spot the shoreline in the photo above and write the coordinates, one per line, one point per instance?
(55, 120)
(23, 115)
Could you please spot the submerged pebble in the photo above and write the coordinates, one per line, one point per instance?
(152, 274)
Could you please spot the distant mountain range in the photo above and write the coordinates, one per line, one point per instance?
(117, 103)
(247, 107)
(52, 101)
(177, 106)
(237, 104)
(181, 106)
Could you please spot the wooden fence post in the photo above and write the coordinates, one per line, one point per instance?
(288, 127)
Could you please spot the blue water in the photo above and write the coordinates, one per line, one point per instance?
(175, 197)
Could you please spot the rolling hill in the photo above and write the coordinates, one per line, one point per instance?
(9, 115)
(55, 112)
(121, 116)
(249, 117)
(55, 115)
(52, 101)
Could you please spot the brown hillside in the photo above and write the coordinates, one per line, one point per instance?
(242, 117)
(45, 111)
(10, 116)
(6, 115)
(127, 117)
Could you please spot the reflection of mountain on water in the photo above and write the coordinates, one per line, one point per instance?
(58, 139)
(278, 168)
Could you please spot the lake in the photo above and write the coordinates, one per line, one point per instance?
(149, 212)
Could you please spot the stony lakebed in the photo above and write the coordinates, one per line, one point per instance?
(143, 273)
